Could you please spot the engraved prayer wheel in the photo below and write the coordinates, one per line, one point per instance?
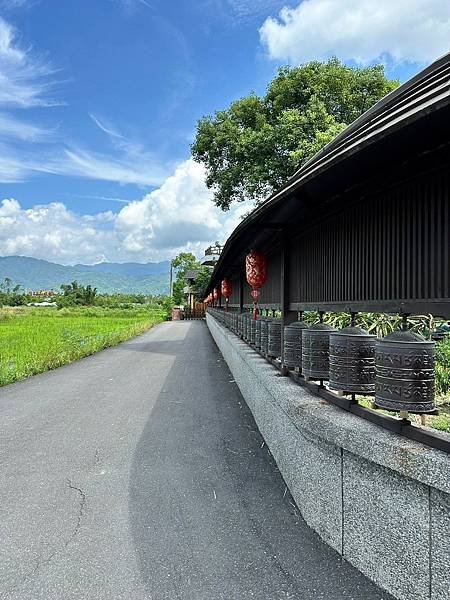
(316, 351)
(405, 372)
(264, 335)
(274, 339)
(352, 361)
(293, 344)
(246, 326)
(240, 324)
(252, 331)
(258, 332)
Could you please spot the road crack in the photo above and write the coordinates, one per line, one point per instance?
(47, 560)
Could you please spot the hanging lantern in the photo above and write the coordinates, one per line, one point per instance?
(256, 273)
(404, 380)
(226, 291)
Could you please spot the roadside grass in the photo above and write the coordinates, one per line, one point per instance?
(36, 340)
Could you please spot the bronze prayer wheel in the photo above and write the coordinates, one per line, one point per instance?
(240, 324)
(252, 330)
(265, 334)
(352, 361)
(274, 339)
(316, 351)
(405, 372)
(293, 344)
(258, 333)
(245, 326)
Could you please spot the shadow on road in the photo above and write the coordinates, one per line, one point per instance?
(210, 515)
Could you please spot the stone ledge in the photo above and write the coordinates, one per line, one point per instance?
(378, 499)
(334, 425)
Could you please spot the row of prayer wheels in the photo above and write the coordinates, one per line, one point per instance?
(397, 369)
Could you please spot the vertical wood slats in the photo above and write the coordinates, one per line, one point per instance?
(395, 246)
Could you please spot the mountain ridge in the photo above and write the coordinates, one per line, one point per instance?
(36, 273)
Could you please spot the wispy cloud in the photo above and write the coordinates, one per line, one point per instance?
(13, 128)
(11, 4)
(108, 129)
(244, 9)
(132, 4)
(25, 80)
(105, 198)
(143, 170)
(24, 77)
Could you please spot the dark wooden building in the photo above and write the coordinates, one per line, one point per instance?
(364, 225)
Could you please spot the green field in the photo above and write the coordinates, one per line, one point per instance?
(36, 340)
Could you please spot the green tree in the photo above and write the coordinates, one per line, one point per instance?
(201, 282)
(254, 146)
(182, 263)
(74, 293)
(12, 295)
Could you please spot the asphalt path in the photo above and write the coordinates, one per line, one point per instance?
(139, 473)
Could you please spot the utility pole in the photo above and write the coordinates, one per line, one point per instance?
(171, 280)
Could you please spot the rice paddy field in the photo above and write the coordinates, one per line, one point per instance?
(33, 340)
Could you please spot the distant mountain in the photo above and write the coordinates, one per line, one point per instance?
(36, 274)
(128, 269)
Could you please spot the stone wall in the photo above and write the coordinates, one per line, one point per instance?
(380, 500)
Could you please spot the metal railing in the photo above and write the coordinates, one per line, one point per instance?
(401, 426)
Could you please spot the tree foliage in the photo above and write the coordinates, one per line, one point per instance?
(12, 294)
(254, 146)
(76, 294)
(184, 262)
(201, 282)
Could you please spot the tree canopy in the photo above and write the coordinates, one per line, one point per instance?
(74, 293)
(253, 147)
(184, 262)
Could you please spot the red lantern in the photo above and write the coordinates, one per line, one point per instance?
(256, 272)
(226, 291)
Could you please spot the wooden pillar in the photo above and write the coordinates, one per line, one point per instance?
(287, 316)
(241, 292)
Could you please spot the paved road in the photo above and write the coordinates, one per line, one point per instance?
(139, 473)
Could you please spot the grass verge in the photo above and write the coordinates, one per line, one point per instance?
(36, 340)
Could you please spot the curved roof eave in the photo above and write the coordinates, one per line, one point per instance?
(428, 91)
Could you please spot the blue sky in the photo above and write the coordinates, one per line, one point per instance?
(99, 101)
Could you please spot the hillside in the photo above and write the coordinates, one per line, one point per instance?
(35, 274)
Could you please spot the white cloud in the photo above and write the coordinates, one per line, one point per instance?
(11, 127)
(11, 4)
(360, 30)
(142, 169)
(23, 76)
(24, 83)
(178, 216)
(245, 9)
